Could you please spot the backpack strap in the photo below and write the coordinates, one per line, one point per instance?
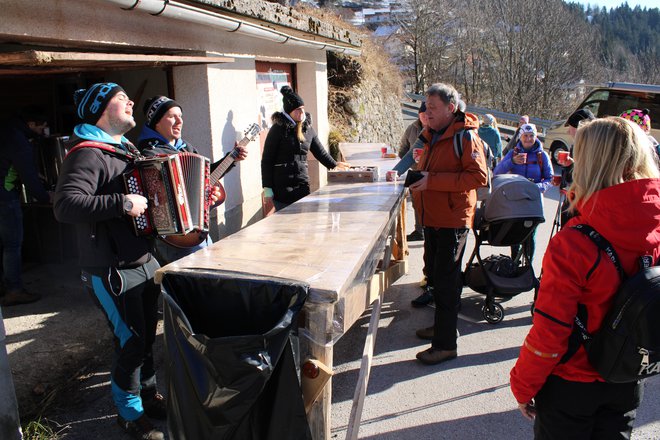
(458, 143)
(458, 146)
(580, 335)
(539, 162)
(603, 245)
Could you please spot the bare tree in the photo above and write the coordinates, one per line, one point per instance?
(519, 55)
(425, 38)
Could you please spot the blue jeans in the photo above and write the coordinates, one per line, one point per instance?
(11, 240)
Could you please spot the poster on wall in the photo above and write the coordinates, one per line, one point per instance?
(268, 89)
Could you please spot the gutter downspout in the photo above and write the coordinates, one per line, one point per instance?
(192, 14)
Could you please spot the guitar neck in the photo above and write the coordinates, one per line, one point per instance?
(225, 163)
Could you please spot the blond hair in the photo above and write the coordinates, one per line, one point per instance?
(607, 152)
(300, 134)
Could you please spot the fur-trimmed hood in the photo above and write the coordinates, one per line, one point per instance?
(280, 118)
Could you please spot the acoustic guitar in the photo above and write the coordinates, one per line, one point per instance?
(196, 237)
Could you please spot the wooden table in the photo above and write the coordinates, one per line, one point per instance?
(339, 240)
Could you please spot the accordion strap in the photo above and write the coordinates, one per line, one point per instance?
(132, 154)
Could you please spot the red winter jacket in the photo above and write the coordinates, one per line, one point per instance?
(628, 216)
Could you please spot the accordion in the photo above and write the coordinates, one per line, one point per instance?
(177, 188)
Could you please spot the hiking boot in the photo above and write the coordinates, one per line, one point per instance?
(140, 429)
(18, 297)
(415, 236)
(424, 299)
(423, 283)
(154, 404)
(432, 356)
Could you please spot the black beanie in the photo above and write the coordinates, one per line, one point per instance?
(154, 109)
(578, 116)
(91, 103)
(290, 99)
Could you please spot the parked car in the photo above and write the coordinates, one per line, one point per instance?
(609, 100)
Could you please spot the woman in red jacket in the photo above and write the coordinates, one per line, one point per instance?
(615, 190)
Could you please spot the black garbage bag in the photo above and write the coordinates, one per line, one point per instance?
(231, 370)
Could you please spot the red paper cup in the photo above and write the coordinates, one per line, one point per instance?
(383, 151)
(390, 176)
(417, 154)
(556, 180)
(562, 157)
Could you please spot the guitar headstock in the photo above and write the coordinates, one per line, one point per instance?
(252, 131)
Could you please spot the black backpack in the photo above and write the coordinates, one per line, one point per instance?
(626, 348)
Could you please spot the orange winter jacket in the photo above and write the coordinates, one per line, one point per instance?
(450, 196)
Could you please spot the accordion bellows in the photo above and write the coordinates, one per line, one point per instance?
(177, 188)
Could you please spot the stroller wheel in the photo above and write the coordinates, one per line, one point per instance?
(493, 313)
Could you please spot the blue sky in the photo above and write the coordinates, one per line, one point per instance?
(614, 3)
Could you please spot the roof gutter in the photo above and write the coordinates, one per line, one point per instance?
(192, 14)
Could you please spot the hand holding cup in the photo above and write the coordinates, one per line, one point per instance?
(564, 159)
(520, 158)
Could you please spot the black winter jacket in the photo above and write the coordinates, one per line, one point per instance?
(17, 162)
(284, 161)
(90, 194)
(155, 146)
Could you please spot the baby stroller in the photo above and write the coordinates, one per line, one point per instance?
(507, 217)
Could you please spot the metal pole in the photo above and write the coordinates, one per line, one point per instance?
(10, 426)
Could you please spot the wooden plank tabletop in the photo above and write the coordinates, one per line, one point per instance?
(323, 239)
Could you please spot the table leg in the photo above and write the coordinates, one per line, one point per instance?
(318, 345)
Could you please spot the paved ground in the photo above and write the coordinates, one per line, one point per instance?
(59, 357)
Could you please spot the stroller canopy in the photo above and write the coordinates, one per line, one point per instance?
(513, 197)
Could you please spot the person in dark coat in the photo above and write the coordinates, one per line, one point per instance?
(524, 119)
(16, 168)
(117, 266)
(284, 174)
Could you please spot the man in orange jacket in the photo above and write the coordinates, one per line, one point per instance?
(445, 200)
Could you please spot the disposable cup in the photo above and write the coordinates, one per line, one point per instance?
(556, 180)
(383, 151)
(390, 176)
(562, 157)
(417, 154)
(523, 156)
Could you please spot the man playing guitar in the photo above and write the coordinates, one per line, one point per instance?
(161, 134)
